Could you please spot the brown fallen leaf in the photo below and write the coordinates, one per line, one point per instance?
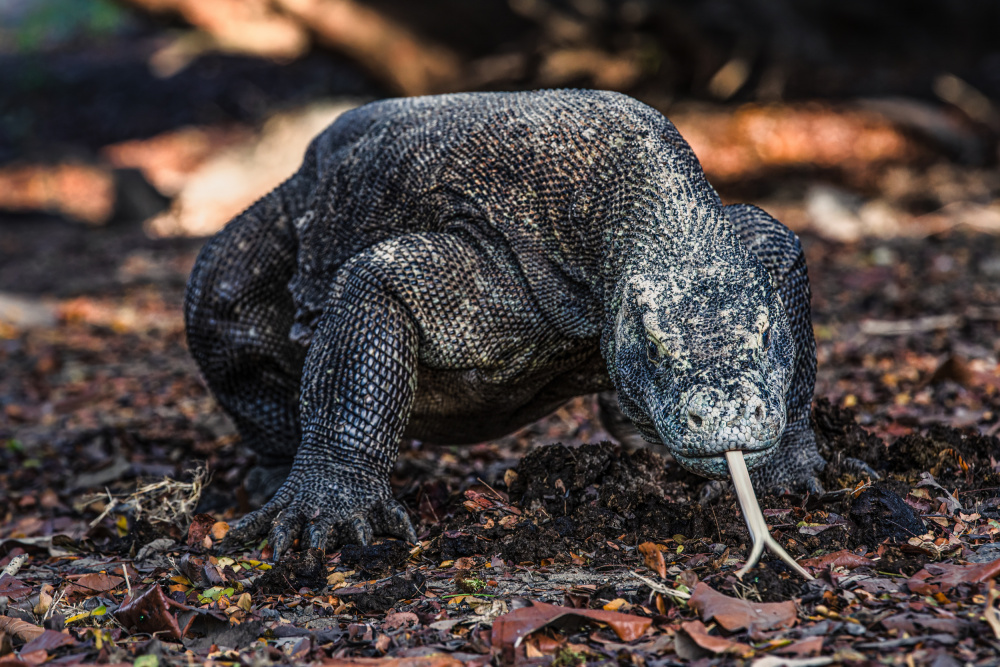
(400, 619)
(21, 629)
(696, 632)
(735, 614)
(49, 641)
(918, 624)
(152, 611)
(11, 587)
(843, 558)
(653, 556)
(432, 660)
(91, 584)
(803, 648)
(942, 577)
(201, 526)
(510, 629)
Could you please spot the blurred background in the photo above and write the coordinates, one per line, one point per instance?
(180, 112)
(132, 129)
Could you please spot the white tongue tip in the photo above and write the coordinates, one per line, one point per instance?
(755, 518)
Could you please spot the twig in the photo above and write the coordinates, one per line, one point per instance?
(660, 588)
(108, 509)
(128, 584)
(14, 565)
(495, 492)
(52, 605)
(755, 518)
(990, 611)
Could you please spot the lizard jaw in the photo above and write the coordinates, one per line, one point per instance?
(715, 466)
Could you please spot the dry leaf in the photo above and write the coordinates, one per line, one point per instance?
(653, 556)
(510, 629)
(219, 530)
(400, 619)
(696, 632)
(843, 558)
(11, 587)
(803, 648)
(22, 629)
(49, 641)
(151, 611)
(942, 577)
(200, 528)
(735, 614)
(91, 584)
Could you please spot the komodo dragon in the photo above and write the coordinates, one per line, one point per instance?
(451, 268)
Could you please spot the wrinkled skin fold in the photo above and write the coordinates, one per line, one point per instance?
(451, 268)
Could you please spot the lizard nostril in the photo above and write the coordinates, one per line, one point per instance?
(758, 412)
(695, 419)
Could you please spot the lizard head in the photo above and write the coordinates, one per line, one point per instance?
(702, 362)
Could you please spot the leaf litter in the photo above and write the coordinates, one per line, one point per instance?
(550, 531)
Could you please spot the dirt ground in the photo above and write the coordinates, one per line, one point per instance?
(106, 400)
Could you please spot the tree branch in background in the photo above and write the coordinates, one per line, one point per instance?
(283, 29)
(249, 26)
(386, 48)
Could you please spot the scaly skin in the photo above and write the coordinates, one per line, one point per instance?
(451, 268)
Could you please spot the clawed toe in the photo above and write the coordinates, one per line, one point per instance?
(712, 491)
(391, 518)
(859, 468)
(287, 528)
(358, 531)
(294, 514)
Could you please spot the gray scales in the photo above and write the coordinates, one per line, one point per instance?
(451, 268)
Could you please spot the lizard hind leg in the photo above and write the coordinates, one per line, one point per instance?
(238, 312)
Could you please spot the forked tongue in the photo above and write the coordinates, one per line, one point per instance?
(755, 518)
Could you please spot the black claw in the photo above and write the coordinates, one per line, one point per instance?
(814, 487)
(359, 531)
(860, 468)
(284, 531)
(392, 519)
(247, 528)
(279, 542)
(712, 491)
(318, 535)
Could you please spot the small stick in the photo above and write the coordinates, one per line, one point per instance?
(128, 584)
(14, 565)
(660, 588)
(755, 518)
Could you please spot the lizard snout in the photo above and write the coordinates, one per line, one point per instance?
(719, 421)
(707, 409)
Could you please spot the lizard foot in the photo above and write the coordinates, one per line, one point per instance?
(324, 509)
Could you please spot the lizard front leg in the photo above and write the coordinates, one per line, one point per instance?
(358, 386)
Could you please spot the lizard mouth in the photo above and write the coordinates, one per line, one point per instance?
(714, 465)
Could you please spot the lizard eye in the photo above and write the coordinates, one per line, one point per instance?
(652, 352)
